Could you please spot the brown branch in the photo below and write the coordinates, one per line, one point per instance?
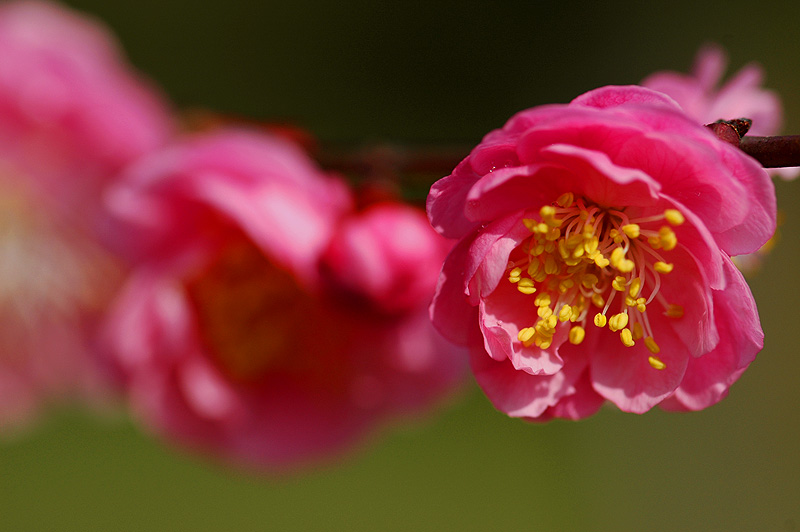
(773, 152)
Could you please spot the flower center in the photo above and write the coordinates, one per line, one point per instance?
(585, 262)
(249, 312)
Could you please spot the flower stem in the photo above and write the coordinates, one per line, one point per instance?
(773, 152)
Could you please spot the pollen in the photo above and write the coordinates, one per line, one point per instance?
(674, 217)
(627, 338)
(588, 264)
(656, 363)
(576, 335)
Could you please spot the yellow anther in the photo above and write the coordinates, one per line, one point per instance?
(576, 335)
(550, 247)
(613, 233)
(641, 305)
(655, 242)
(574, 241)
(553, 234)
(544, 312)
(533, 267)
(548, 211)
(674, 216)
(542, 300)
(578, 253)
(566, 199)
(565, 285)
(630, 301)
(565, 313)
(617, 256)
(526, 286)
(563, 250)
(638, 330)
(601, 261)
(544, 343)
(656, 363)
(652, 346)
(540, 276)
(538, 250)
(627, 338)
(589, 280)
(600, 319)
(667, 238)
(663, 267)
(516, 272)
(542, 228)
(526, 334)
(530, 224)
(636, 286)
(674, 311)
(551, 322)
(550, 265)
(631, 230)
(591, 244)
(619, 283)
(626, 266)
(618, 321)
(598, 301)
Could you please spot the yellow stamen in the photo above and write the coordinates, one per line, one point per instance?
(526, 334)
(674, 216)
(663, 267)
(656, 363)
(627, 338)
(566, 199)
(598, 301)
(618, 283)
(631, 230)
(675, 311)
(652, 346)
(542, 300)
(638, 331)
(525, 286)
(600, 320)
(618, 321)
(576, 335)
(636, 286)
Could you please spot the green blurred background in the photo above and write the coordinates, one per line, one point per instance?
(363, 71)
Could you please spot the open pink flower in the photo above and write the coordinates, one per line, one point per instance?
(72, 114)
(593, 257)
(231, 335)
(742, 96)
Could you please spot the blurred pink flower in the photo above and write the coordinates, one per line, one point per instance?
(593, 257)
(701, 97)
(72, 114)
(231, 334)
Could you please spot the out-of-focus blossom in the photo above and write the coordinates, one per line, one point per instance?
(593, 257)
(72, 114)
(265, 322)
(701, 97)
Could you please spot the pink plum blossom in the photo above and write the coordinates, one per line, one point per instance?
(592, 260)
(266, 322)
(701, 97)
(72, 114)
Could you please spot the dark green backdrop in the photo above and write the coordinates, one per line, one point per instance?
(448, 71)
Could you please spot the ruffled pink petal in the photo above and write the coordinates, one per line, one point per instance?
(451, 313)
(624, 376)
(520, 394)
(447, 199)
(709, 377)
(502, 315)
(616, 96)
(580, 402)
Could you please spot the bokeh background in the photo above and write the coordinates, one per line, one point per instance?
(359, 71)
